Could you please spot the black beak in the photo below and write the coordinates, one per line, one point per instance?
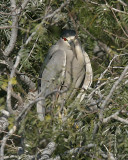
(71, 42)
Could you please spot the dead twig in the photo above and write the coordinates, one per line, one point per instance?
(102, 75)
(116, 117)
(105, 102)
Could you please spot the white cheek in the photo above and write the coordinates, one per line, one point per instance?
(71, 38)
(67, 43)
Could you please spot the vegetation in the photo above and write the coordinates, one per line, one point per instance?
(96, 128)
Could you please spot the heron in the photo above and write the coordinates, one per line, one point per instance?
(66, 68)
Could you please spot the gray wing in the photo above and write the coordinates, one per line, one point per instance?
(49, 56)
(52, 77)
(53, 72)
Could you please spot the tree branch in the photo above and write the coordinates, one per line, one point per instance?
(101, 76)
(47, 152)
(105, 102)
(9, 89)
(23, 5)
(26, 108)
(123, 3)
(14, 32)
(116, 18)
(116, 117)
(23, 77)
(55, 12)
(4, 140)
(16, 96)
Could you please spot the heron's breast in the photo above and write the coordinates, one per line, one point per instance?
(74, 67)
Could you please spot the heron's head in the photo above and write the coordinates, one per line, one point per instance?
(68, 36)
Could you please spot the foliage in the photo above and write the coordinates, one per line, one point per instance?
(74, 128)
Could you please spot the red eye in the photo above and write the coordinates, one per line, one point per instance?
(64, 39)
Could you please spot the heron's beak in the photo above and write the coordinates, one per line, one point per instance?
(71, 42)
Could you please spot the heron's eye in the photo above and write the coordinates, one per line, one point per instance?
(65, 39)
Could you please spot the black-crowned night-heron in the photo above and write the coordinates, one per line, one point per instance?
(66, 67)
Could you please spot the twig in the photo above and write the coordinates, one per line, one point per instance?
(116, 18)
(110, 155)
(80, 149)
(6, 13)
(116, 117)
(3, 123)
(29, 54)
(9, 27)
(13, 134)
(22, 76)
(120, 119)
(16, 96)
(105, 102)
(55, 12)
(97, 88)
(106, 120)
(117, 10)
(121, 38)
(101, 76)
(4, 142)
(23, 5)
(123, 3)
(111, 7)
(11, 157)
(27, 107)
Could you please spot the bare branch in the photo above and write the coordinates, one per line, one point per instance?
(46, 153)
(29, 53)
(110, 155)
(4, 142)
(9, 89)
(116, 117)
(23, 77)
(19, 56)
(27, 107)
(97, 88)
(106, 120)
(13, 38)
(105, 102)
(55, 12)
(3, 123)
(23, 5)
(11, 157)
(121, 119)
(117, 10)
(9, 27)
(81, 149)
(6, 113)
(121, 38)
(14, 32)
(116, 18)
(123, 3)
(101, 76)
(6, 13)
(16, 96)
